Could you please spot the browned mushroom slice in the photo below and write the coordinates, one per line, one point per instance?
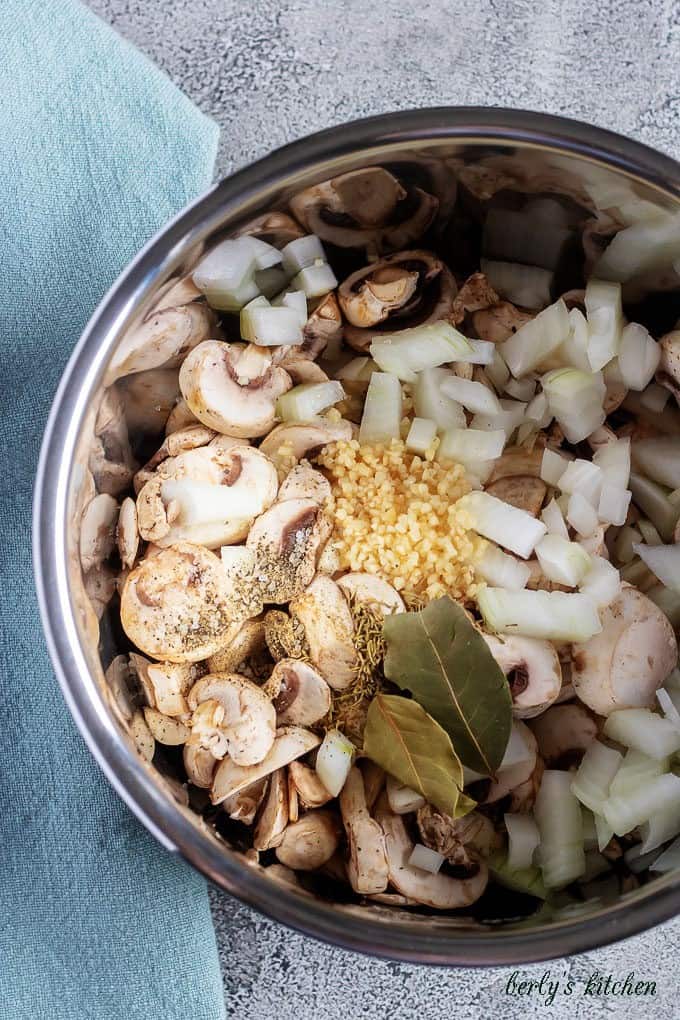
(302, 370)
(248, 720)
(175, 606)
(221, 390)
(522, 491)
(300, 694)
(284, 542)
(563, 734)
(475, 294)
(285, 636)
(162, 339)
(244, 805)
(366, 208)
(310, 790)
(142, 736)
(100, 587)
(322, 330)
(498, 323)
(367, 869)
(310, 842)
(523, 797)
(374, 781)
(516, 460)
(273, 819)
(329, 628)
(291, 742)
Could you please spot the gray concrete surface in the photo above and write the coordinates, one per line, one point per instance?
(272, 71)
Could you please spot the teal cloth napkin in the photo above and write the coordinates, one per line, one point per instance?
(97, 150)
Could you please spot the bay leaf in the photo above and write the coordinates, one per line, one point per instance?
(439, 656)
(406, 742)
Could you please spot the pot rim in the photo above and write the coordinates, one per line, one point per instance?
(374, 137)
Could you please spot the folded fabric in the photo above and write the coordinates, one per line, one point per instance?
(98, 150)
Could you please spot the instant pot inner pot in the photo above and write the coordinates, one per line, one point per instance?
(514, 204)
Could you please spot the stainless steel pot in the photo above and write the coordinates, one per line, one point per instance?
(536, 153)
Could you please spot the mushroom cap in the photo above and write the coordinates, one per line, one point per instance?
(668, 373)
(499, 322)
(180, 417)
(460, 840)
(475, 294)
(162, 339)
(305, 482)
(563, 734)
(367, 870)
(248, 722)
(275, 228)
(624, 665)
(199, 764)
(534, 669)
(244, 805)
(170, 682)
(98, 531)
(439, 891)
(148, 398)
(175, 606)
(299, 693)
(290, 743)
(371, 590)
(217, 390)
(248, 639)
(285, 541)
(308, 843)
(329, 627)
(310, 790)
(273, 818)
(297, 441)
(165, 729)
(512, 776)
(191, 437)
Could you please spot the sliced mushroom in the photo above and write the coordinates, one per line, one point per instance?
(305, 482)
(180, 417)
(513, 776)
(522, 491)
(218, 386)
(191, 437)
(515, 461)
(127, 533)
(475, 294)
(169, 683)
(293, 801)
(310, 842)
(668, 373)
(275, 228)
(440, 891)
(299, 693)
(291, 742)
(288, 444)
(498, 323)
(408, 289)
(100, 587)
(148, 400)
(165, 729)
(301, 370)
(162, 339)
(245, 804)
(374, 781)
(321, 333)
(176, 605)
(273, 818)
(98, 531)
(533, 670)
(367, 869)
(564, 733)
(209, 496)
(372, 591)
(310, 790)
(248, 640)
(200, 765)
(284, 542)
(328, 560)
(523, 797)
(461, 840)
(177, 291)
(367, 208)
(329, 628)
(110, 458)
(119, 680)
(624, 665)
(248, 719)
(284, 635)
(142, 736)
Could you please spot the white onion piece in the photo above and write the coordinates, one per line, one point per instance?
(553, 467)
(582, 476)
(353, 370)
(602, 583)
(430, 401)
(402, 799)
(641, 247)
(613, 460)
(655, 398)
(381, 419)
(553, 615)
(425, 859)
(507, 525)
(574, 350)
(562, 561)
(302, 252)
(522, 389)
(658, 795)
(497, 371)
(523, 838)
(271, 281)
(269, 326)
(576, 399)
(295, 300)
(639, 356)
(582, 515)
(315, 280)
(479, 471)
(334, 760)
(226, 267)
(475, 396)
(517, 751)
(659, 459)
(527, 286)
(470, 445)
(538, 410)
(653, 500)
(636, 770)
(644, 731)
(605, 321)
(593, 777)
(421, 435)
(511, 415)
(502, 570)
(664, 561)
(604, 832)
(613, 504)
(483, 352)
(411, 350)
(305, 402)
(558, 816)
(551, 515)
(536, 340)
(669, 859)
(668, 707)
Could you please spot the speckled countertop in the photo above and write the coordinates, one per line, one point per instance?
(270, 71)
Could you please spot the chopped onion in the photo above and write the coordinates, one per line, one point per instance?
(502, 570)
(659, 459)
(421, 435)
(381, 420)
(553, 467)
(576, 399)
(661, 794)
(527, 286)
(518, 751)
(581, 515)
(643, 731)
(497, 371)
(315, 280)
(296, 300)
(271, 281)
(475, 396)
(430, 401)
(655, 398)
(511, 415)
(483, 352)
(669, 859)
(639, 356)
(224, 269)
(523, 389)
(582, 476)
(604, 832)
(653, 500)
(334, 760)
(602, 583)
(554, 615)
(538, 410)
(425, 859)
(593, 777)
(411, 350)
(613, 504)
(402, 799)
(305, 402)
(605, 321)
(470, 445)
(668, 707)
(269, 326)
(643, 246)
(558, 816)
(479, 471)
(551, 515)
(574, 350)
(523, 838)
(613, 460)
(301, 253)
(664, 561)
(536, 339)
(507, 525)
(562, 561)
(353, 370)
(265, 255)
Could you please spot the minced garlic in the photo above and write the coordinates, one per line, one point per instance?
(395, 515)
